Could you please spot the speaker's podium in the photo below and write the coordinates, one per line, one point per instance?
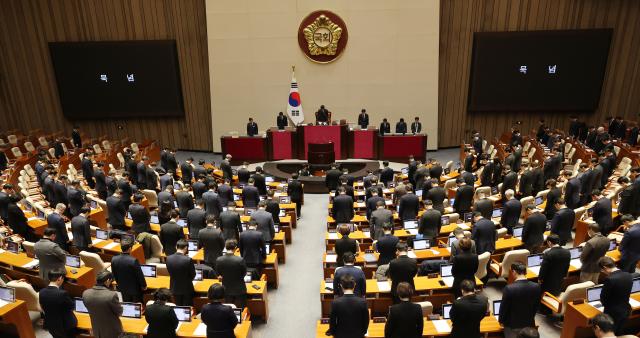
(321, 154)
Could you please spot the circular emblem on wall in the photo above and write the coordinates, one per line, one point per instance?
(322, 36)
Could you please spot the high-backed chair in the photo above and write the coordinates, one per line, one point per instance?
(106, 145)
(27, 167)
(52, 153)
(29, 248)
(485, 190)
(559, 304)
(26, 293)
(121, 160)
(43, 141)
(103, 205)
(94, 261)
(543, 194)
(64, 148)
(526, 147)
(16, 152)
(152, 197)
(526, 201)
(427, 308)
(156, 250)
(134, 147)
(13, 139)
(449, 184)
(97, 149)
(579, 212)
(453, 217)
(449, 166)
(161, 269)
(501, 269)
(502, 232)
(28, 146)
(483, 260)
(484, 144)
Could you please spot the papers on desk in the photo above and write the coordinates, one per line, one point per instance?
(384, 286)
(192, 253)
(435, 252)
(201, 330)
(111, 245)
(411, 254)
(634, 303)
(331, 258)
(463, 226)
(386, 191)
(367, 234)
(448, 281)
(3, 302)
(388, 202)
(32, 218)
(31, 264)
(360, 204)
(412, 231)
(442, 325)
(95, 241)
(1, 251)
(576, 263)
(535, 269)
(333, 235)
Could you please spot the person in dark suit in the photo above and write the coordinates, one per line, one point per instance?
(181, 273)
(225, 166)
(49, 253)
(212, 241)
(219, 318)
(322, 115)
(408, 205)
(166, 196)
(76, 138)
(199, 188)
(459, 234)
(484, 234)
(603, 326)
(332, 177)
(56, 220)
(348, 269)
(233, 269)
(533, 229)
(116, 211)
(259, 181)
(386, 245)
(416, 126)
(141, 170)
(76, 197)
(252, 247)
(342, 209)
(630, 246)
(593, 249)
(554, 267)
(526, 183)
(281, 121)
(386, 174)
(81, 230)
(58, 307)
(385, 127)
(172, 163)
(140, 216)
(509, 181)
(128, 274)
(465, 265)
(562, 222)
(60, 190)
(250, 195)
(230, 222)
(616, 290)
(372, 205)
(197, 219)
(166, 179)
(553, 196)
(152, 177)
(296, 192)
(401, 127)
(464, 197)
(211, 201)
(430, 222)
(467, 312)
(602, 212)
(344, 244)
(264, 222)
(5, 193)
(405, 318)
(483, 205)
(161, 318)
(520, 302)
(436, 195)
(572, 190)
(17, 220)
(184, 200)
(101, 180)
(171, 233)
(510, 211)
(363, 119)
(87, 170)
(468, 177)
(104, 307)
(349, 313)
(252, 128)
(401, 269)
(586, 182)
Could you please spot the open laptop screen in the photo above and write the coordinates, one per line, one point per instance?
(131, 310)
(421, 244)
(183, 313)
(198, 276)
(446, 310)
(445, 220)
(496, 213)
(575, 252)
(410, 224)
(635, 287)
(7, 294)
(78, 305)
(446, 270)
(193, 245)
(593, 293)
(517, 232)
(72, 261)
(102, 234)
(534, 260)
(149, 270)
(496, 307)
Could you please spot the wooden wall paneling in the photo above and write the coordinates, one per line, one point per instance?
(28, 93)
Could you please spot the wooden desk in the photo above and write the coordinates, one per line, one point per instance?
(138, 325)
(112, 248)
(270, 266)
(16, 314)
(577, 316)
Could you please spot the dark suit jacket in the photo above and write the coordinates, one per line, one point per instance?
(117, 212)
(251, 246)
(356, 273)
(181, 274)
(281, 121)
(509, 182)
(220, 320)
(437, 195)
(170, 233)
(463, 199)
(466, 314)
(616, 289)
(332, 179)
(344, 245)
(402, 269)
(468, 178)
(430, 224)
(18, 222)
(260, 183)
(409, 205)
(232, 269)
(81, 230)
(127, 272)
(142, 175)
(520, 302)
(294, 189)
(76, 199)
(385, 128)
(485, 207)
(554, 267)
(196, 221)
(212, 241)
(572, 193)
(405, 321)
(140, 217)
(212, 203)
(342, 209)
(562, 223)
(162, 321)
(185, 203)
(349, 317)
(230, 224)
(526, 183)
(200, 188)
(60, 193)
(187, 172)
(511, 214)
(372, 204)
(252, 128)
(533, 230)
(250, 196)
(386, 246)
(56, 221)
(630, 248)
(104, 310)
(273, 207)
(594, 249)
(58, 307)
(602, 215)
(225, 194)
(51, 257)
(363, 120)
(101, 181)
(227, 171)
(386, 175)
(485, 236)
(401, 128)
(465, 265)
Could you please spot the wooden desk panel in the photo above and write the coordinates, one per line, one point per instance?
(16, 314)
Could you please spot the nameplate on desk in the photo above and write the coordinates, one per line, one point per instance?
(201, 330)
(441, 325)
(535, 270)
(31, 264)
(384, 286)
(111, 245)
(331, 258)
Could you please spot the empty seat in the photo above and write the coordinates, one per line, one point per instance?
(152, 197)
(28, 146)
(26, 293)
(483, 261)
(94, 261)
(43, 141)
(16, 152)
(97, 149)
(13, 139)
(559, 304)
(501, 269)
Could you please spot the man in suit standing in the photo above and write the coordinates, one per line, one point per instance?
(464, 197)
(401, 127)
(259, 181)
(594, 249)
(250, 195)
(264, 222)
(459, 234)
(58, 307)
(141, 170)
(76, 138)
(140, 216)
(56, 221)
(386, 245)
(117, 211)
(484, 234)
(483, 205)
(616, 290)
(405, 319)
(296, 192)
(100, 179)
(602, 212)
(510, 211)
(225, 166)
(87, 169)
(181, 273)
(562, 222)
(49, 253)
(342, 209)
(273, 206)
(344, 244)
(161, 318)
(212, 241)
(572, 190)
(509, 181)
(363, 119)
(408, 205)
(126, 189)
(76, 198)
(166, 179)
(416, 126)
(554, 267)
(171, 233)
(401, 269)
(281, 121)
(332, 177)
(184, 200)
(385, 127)
(467, 312)
(430, 222)
(211, 201)
(230, 222)
(379, 218)
(322, 115)
(252, 127)
(465, 265)
(386, 174)
(630, 246)
(349, 313)
(533, 229)
(233, 269)
(81, 230)
(520, 302)
(199, 188)
(128, 274)
(372, 201)
(103, 306)
(252, 247)
(196, 219)
(349, 269)
(553, 196)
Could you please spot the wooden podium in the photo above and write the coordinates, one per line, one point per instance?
(321, 153)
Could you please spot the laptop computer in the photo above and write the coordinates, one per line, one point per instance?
(404, 170)
(447, 274)
(450, 240)
(131, 310)
(539, 200)
(494, 190)
(421, 244)
(102, 234)
(411, 226)
(192, 245)
(249, 211)
(282, 213)
(198, 276)
(154, 219)
(612, 245)
(496, 308)
(7, 295)
(78, 305)
(267, 248)
(13, 247)
(534, 262)
(127, 238)
(446, 311)
(149, 270)
(285, 199)
(445, 220)
(517, 232)
(593, 296)
(635, 287)
(238, 313)
(183, 313)
(177, 186)
(41, 214)
(468, 217)
(94, 204)
(72, 261)
(419, 193)
(182, 222)
(236, 197)
(497, 213)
